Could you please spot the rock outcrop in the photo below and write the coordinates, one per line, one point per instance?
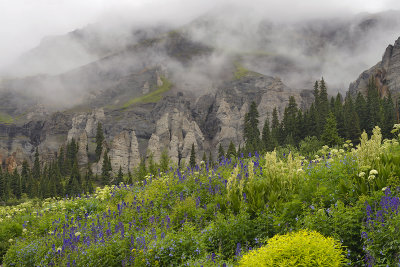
(124, 152)
(385, 74)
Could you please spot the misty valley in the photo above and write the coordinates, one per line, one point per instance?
(236, 137)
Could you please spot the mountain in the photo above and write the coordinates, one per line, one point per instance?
(164, 90)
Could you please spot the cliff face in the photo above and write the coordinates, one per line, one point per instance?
(385, 74)
(172, 125)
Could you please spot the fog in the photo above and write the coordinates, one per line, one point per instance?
(298, 41)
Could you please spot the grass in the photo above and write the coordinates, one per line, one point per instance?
(151, 97)
(240, 71)
(5, 118)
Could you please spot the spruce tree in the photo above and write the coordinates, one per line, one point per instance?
(362, 111)
(373, 106)
(16, 184)
(289, 120)
(25, 187)
(231, 152)
(389, 116)
(152, 166)
(2, 185)
(351, 121)
(266, 138)
(120, 176)
(130, 180)
(164, 161)
(99, 141)
(330, 135)
(323, 105)
(36, 175)
(275, 133)
(251, 134)
(192, 160)
(141, 171)
(210, 159)
(204, 158)
(74, 183)
(106, 170)
(89, 180)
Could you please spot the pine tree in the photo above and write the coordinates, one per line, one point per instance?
(74, 183)
(152, 166)
(141, 171)
(362, 112)
(330, 135)
(323, 105)
(2, 185)
(266, 138)
(210, 159)
(251, 134)
(192, 160)
(120, 176)
(275, 133)
(231, 152)
(25, 187)
(106, 170)
(389, 116)
(89, 180)
(99, 141)
(164, 161)
(36, 175)
(221, 152)
(289, 120)
(16, 184)
(130, 180)
(204, 158)
(351, 122)
(339, 115)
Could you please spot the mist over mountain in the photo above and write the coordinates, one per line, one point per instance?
(159, 86)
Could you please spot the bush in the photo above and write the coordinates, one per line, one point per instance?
(303, 248)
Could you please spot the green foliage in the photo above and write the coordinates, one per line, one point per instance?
(330, 136)
(5, 118)
(240, 71)
(302, 248)
(251, 134)
(151, 97)
(231, 152)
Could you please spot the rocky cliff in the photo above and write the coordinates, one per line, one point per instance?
(385, 74)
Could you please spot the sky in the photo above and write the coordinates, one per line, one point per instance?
(23, 23)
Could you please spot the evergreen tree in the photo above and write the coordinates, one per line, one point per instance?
(99, 141)
(16, 184)
(373, 106)
(231, 152)
(192, 160)
(25, 187)
(164, 161)
(351, 122)
(323, 105)
(221, 152)
(36, 175)
(120, 176)
(74, 183)
(251, 134)
(152, 166)
(130, 180)
(289, 120)
(106, 170)
(266, 138)
(275, 132)
(210, 159)
(89, 180)
(362, 112)
(389, 116)
(141, 170)
(339, 114)
(330, 135)
(2, 185)
(204, 158)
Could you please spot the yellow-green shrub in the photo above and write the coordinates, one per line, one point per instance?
(303, 248)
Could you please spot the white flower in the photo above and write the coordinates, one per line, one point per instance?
(59, 249)
(384, 189)
(361, 174)
(373, 172)
(10, 240)
(371, 177)
(77, 234)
